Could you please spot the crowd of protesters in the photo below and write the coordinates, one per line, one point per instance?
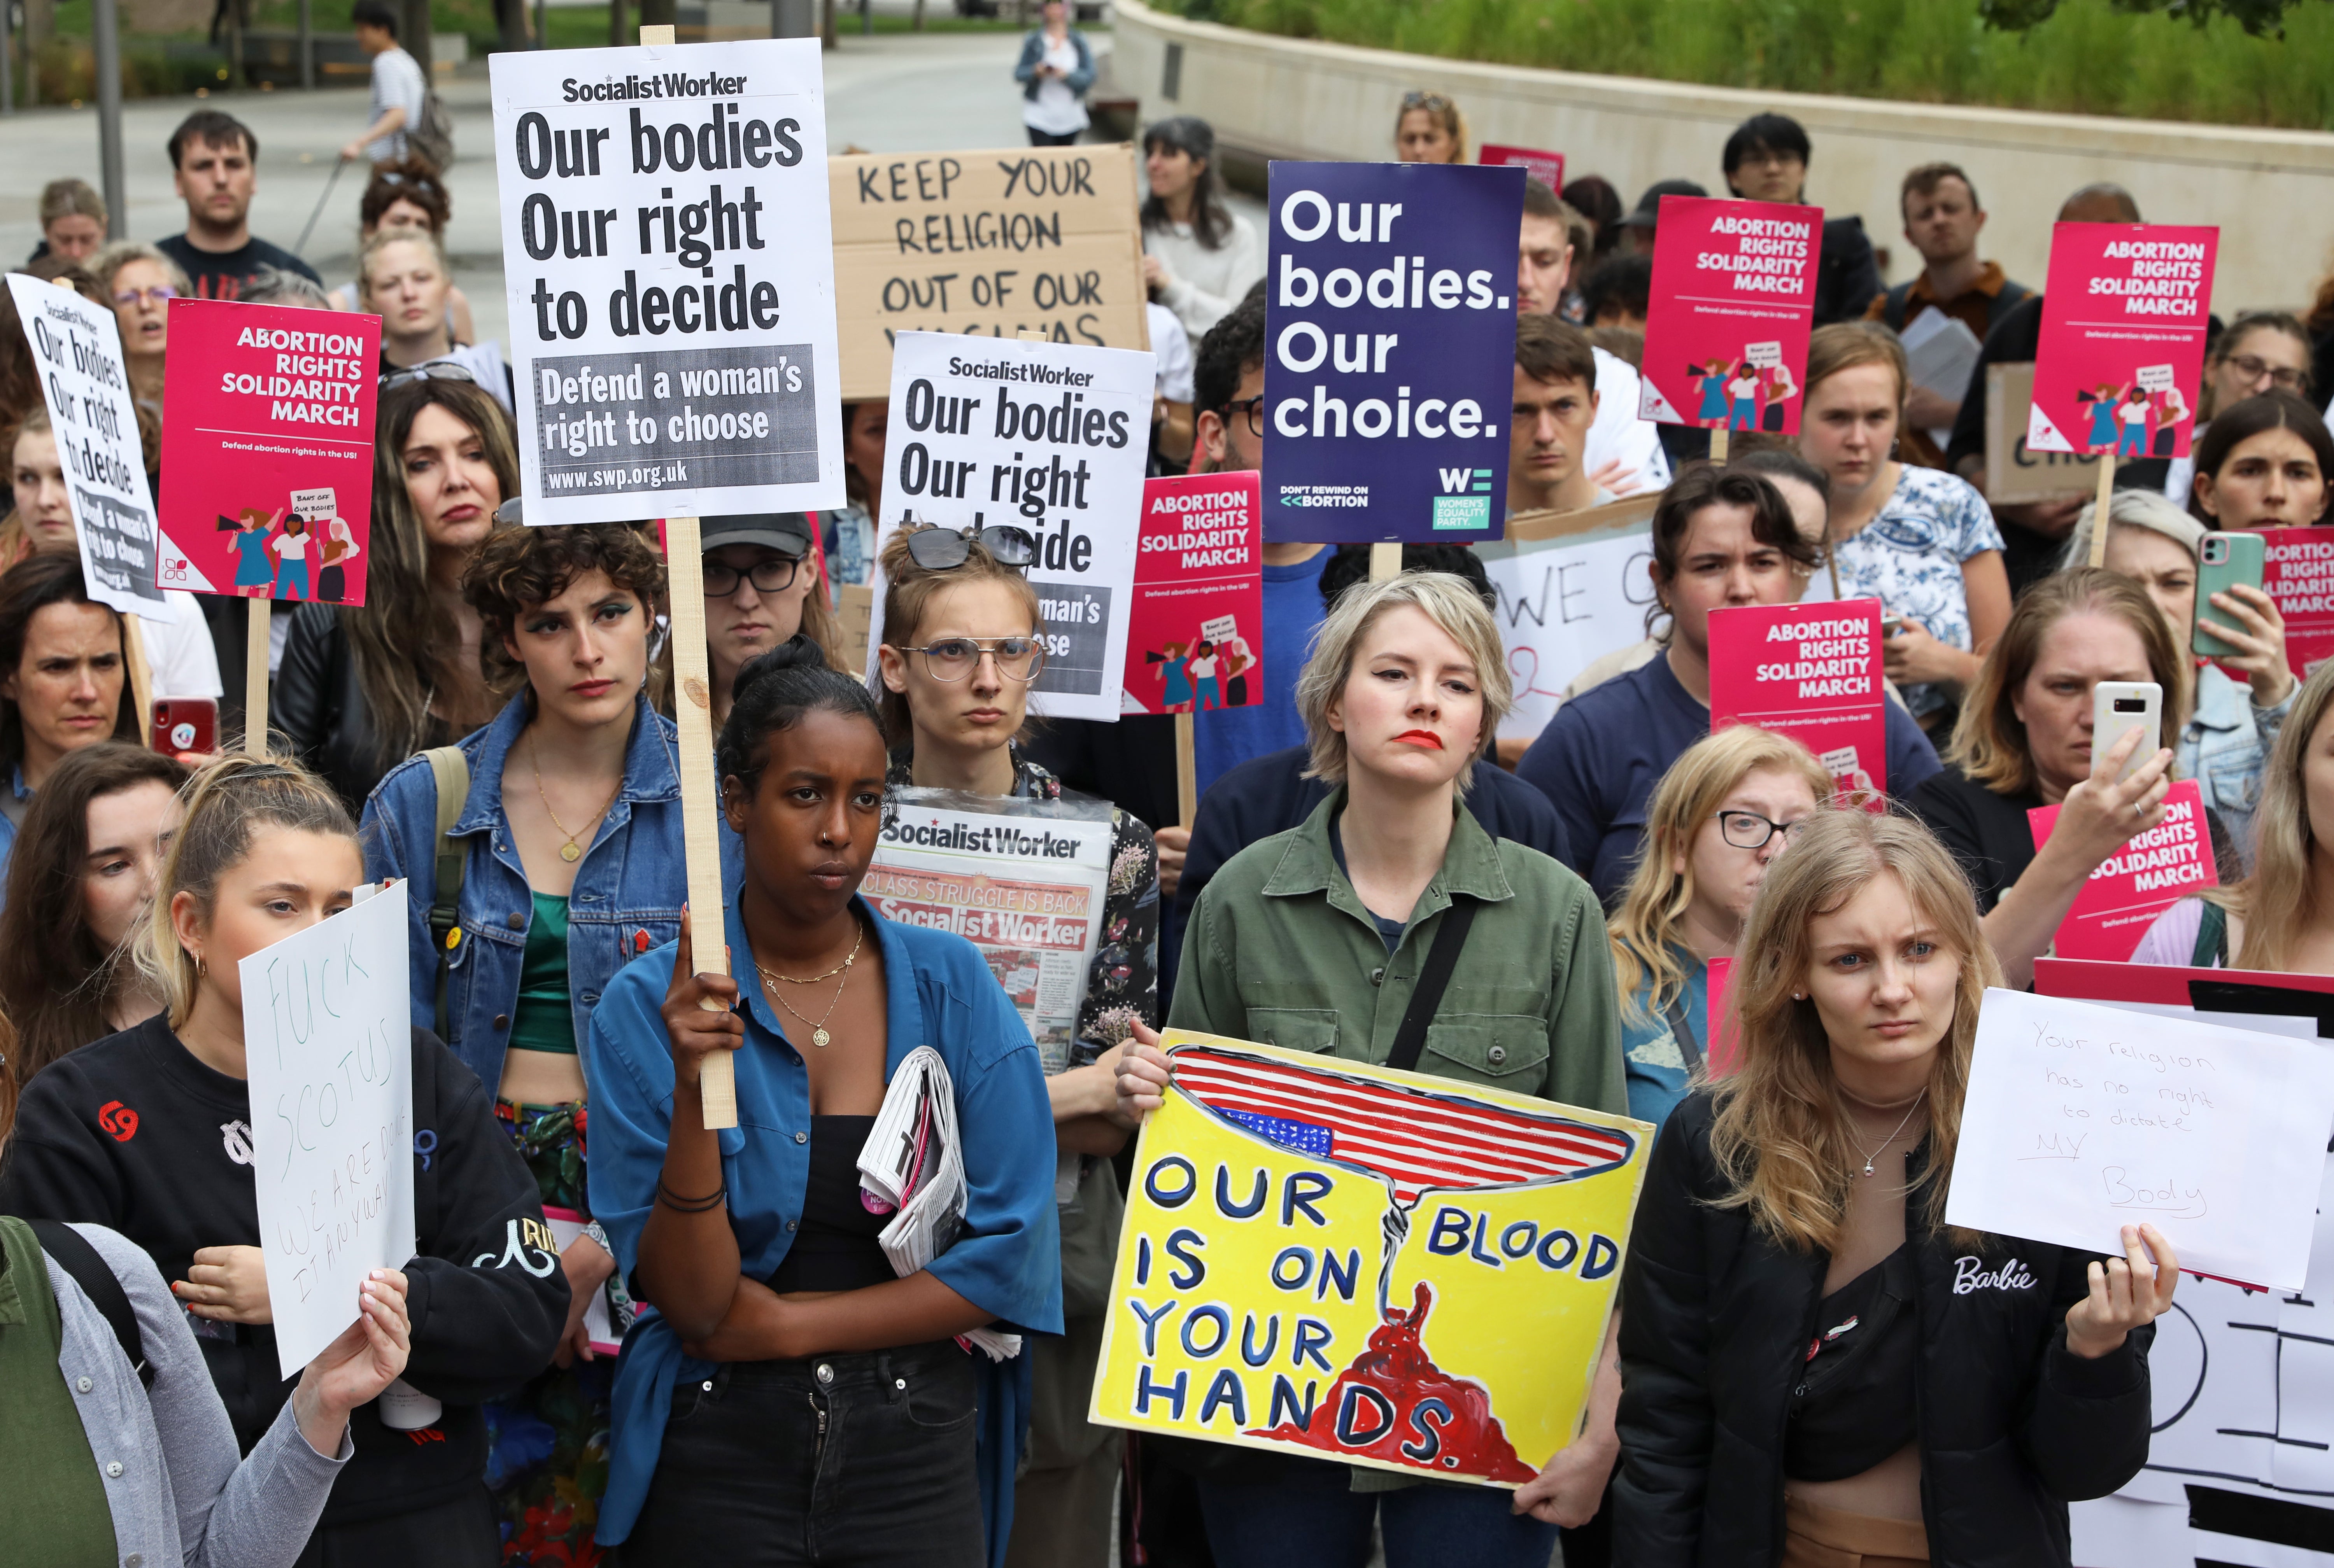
(495, 725)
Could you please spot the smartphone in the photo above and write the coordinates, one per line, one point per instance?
(1891, 625)
(186, 723)
(2120, 707)
(2222, 561)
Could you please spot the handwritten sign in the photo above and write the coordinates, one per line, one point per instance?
(2014, 473)
(328, 1038)
(1567, 599)
(1354, 1263)
(2082, 1119)
(2127, 890)
(2297, 573)
(1812, 673)
(985, 243)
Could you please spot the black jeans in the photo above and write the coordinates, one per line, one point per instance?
(1051, 138)
(460, 1533)
(863, 1459)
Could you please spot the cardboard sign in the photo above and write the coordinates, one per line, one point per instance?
(1812, 673)
(267, 455)
(671, 279)
(85, 386)
(1733, 301)
(1548, 167)
(2128, 889)
(1050, 438)
(2014, 474)
(988, 244)
(2082, 1119)
(2120, 363)
(2297, 573)
(1565, 601)
(1390, 331)
(1353, 1262)
(1197, 629)
(328, 1040)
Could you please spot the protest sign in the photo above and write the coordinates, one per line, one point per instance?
(1023, 881)
(1568, 598)
(599, 1319)
(1548, 167)
(267, 455)
(1048, 437)
(670, 279)
(994, 244)
(2081, 1119)
(1733, 301)
(2298, 575)
(2127, 890)
(2014, 473)
(2120, 363)
(1198, 621)
(328, 1042)
(1381, 1268)
(1390, 331)
(1812, 673)
(85, 387)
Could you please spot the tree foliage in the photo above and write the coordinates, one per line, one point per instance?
(2257, 18)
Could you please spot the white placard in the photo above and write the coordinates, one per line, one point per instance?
(1763, 356)
(328, 1042)
(671, 279)
(1049, 438)
(85, 385)
(2153, 378)
(1565, 603)
(2082, 1119)
(316, 506)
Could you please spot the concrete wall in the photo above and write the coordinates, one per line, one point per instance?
(2271, 192)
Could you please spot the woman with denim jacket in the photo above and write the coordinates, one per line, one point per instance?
(1055, 70)
(2230, 727)
(571, 843)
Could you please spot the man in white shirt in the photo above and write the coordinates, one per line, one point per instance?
(399, 87)
(1624, 453)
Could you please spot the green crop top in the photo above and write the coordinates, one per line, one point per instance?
(545, 1018)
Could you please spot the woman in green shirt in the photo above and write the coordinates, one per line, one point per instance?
(1312, 939)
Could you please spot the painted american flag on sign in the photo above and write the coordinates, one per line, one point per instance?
(1415, 1140)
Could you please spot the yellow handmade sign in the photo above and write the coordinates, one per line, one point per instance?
(1366, 1264)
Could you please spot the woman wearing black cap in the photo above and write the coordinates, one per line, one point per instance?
(760, 589)
(1198, 256)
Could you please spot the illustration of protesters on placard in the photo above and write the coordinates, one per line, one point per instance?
(292, 546)
(1209, 672)
(339, 548)
(255, 570)
(1711, 379)
(1232, 649)
(1172, 665)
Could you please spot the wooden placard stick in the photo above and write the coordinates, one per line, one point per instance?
(1386, 560)
(2101, 501)
(142, 676)
(255, 677)
(1719, 443)
(1186, 775)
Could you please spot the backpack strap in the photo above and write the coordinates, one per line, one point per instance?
(449, 770)
(90, 1271)
(1433, 981)
(1681, 1031)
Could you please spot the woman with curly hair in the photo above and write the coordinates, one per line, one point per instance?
(566, 807)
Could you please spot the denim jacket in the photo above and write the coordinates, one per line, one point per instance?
(1033, 54)
(2226, 746)
(629, 885)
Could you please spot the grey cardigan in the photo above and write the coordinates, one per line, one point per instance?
(176, 1489)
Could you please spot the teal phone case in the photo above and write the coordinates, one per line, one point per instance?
(2247, 556)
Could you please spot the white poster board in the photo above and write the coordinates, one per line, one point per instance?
(85, 386)
(2081, 1119)
(328, 1041)
(671, 279)
(1048, 437)
(1565, 603)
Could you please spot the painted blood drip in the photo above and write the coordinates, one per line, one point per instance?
(1394, 1404)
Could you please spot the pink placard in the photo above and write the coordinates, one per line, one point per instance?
(2298, 575)
(1548, 167)
(1812, 673)
(2121, 359)
(1733, 301)
(1725, 1050)
(1195, 629)
(267, 454)
(2152, 872)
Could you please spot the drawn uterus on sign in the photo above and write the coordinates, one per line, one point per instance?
(1420, 1144)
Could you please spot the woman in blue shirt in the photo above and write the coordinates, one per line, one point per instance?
(1726, 808)
(783, 1392)
(566, 841)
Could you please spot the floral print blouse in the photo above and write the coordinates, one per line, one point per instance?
(1910, 557)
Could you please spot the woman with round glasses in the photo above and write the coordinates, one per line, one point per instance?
(1726, 808)
(2260, 351)
(142, 282)
(961, 652)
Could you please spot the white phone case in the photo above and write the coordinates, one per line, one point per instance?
(2120, 707)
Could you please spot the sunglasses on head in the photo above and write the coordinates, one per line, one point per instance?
(938, 549)
(428, 370)
(1433, 101)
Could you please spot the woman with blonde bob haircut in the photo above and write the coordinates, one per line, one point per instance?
(1316, 939)
(1818, 1369)
(1727, 807)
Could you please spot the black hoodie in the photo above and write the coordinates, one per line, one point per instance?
(135, 1133)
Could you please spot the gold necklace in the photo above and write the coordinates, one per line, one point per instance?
(819, 1034)
(569, 852)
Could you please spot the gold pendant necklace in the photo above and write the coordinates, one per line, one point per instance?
(819, 1034)
(570, 851)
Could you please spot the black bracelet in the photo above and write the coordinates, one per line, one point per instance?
(680, 1204)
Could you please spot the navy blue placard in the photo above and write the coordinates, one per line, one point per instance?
(1390, 350)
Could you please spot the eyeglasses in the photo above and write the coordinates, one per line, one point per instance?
(771, 574)
(1251, 407)
(938, 549)
(954, 657)
(427, 371)
(1750, 830)
(1433, 101)
(2253, 368)
(159, 293)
